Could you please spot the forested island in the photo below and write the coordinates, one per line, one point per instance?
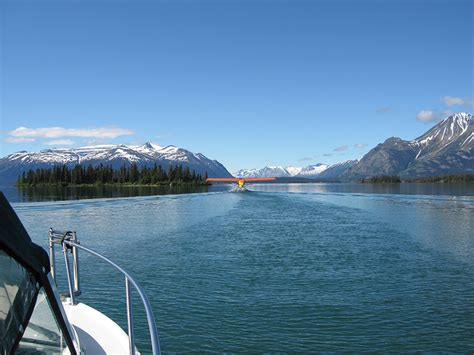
(107, 175)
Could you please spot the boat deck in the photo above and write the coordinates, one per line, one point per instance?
(97, 333)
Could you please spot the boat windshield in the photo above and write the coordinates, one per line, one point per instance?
(17, 293)
(42, 334)
(18, 288)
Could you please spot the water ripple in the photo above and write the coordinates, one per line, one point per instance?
(283, 272)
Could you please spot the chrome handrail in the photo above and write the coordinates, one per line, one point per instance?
(70, 239)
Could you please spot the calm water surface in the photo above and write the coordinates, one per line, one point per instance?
(61, 193)
(288, 268)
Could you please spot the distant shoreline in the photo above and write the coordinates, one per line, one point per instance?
(170, 184)
(49, 192)
(384, 179)
(167, 185)
(442, 179)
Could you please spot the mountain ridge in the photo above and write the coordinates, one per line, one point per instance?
(147, 154)
(312, 171)
(446, 148)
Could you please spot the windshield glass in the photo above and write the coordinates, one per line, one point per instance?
(43, 335)
(17, 292)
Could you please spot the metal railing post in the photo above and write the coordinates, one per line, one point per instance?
(131, 342)
(68, 273)
(52, 260)
(75, 254)
(155, 340)
(68, 240)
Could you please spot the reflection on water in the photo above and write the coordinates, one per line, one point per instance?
(405, 188)
(60, 193)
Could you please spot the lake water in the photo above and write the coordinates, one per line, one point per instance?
(60, 193)
(285, 268)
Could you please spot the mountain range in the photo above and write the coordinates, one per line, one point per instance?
(315, 171)
(446, 148)
(147, 154)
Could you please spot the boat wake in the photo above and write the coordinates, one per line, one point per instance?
(239, 189)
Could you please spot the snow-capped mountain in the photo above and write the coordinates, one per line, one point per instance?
(333, 172)
(293, 170)
(454, 130)
(267, 171)
(312, 170)
(116, 155)
(447, 148)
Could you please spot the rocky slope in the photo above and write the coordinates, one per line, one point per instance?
(447, 148)
(335, 171)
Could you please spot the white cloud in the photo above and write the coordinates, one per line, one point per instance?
(457, 100)
(18, 140)
(427, 116)
(59, 132)
(60, 142)
(453, 100)
(341, 148)
(360, 145)
(432, 115)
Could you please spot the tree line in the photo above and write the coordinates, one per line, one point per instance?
(455, 178)
(382, 179)
(106, 174)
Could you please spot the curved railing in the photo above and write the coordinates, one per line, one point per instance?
(68, 241)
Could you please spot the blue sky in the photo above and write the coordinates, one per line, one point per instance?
(250, 83)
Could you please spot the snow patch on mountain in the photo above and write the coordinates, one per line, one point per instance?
(443, 134)
(312, 170)
(293, 170)
(267, 171)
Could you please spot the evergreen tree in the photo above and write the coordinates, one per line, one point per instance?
(105, 174)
